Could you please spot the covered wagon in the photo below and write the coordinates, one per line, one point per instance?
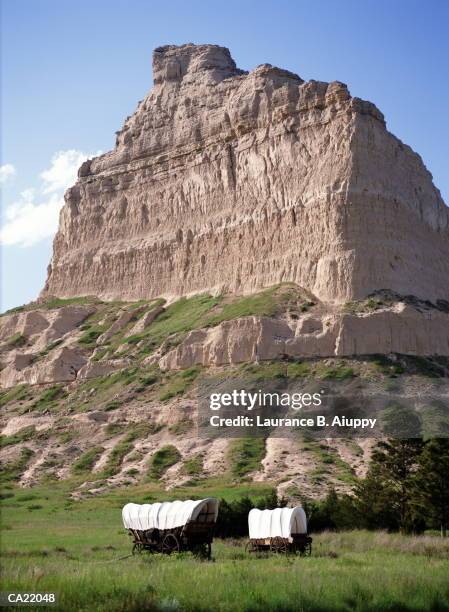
(172, 526)
(281, 530)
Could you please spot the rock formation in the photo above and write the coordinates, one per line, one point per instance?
(398, 330)
(43, 345)
(222, 183)
(227, 181)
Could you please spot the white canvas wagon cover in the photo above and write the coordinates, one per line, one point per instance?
(168, 515)
(280, 522)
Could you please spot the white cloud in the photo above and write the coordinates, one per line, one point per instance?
(63, 170)
(34, 216)
(28, 221)
(7, 171)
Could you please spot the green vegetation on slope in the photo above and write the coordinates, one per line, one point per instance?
(12, 470)
(16, 394)
(86, 462)
(90, 336)
(17, 340)
(49, 399)
(267, 303)
(125, 446)
(369, 305)
(161, 460)
(187, 314)
(245, 455)
(177, 383)
(329, 462)
(194, 465)
(117, 455)
(24, 434)
(52, 303)
(180, 317)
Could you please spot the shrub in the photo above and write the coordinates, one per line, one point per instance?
(181, 427)
(146, 381)
(245, 455)
(67, 436)
(337, 372)
(13, 470)
(194, 465)
(386, 366)
(50, 347)
(17, 340)
(90, 336)
(162, 459)
(132, 472)
(298, 369)
(112, 429)
(112, 405)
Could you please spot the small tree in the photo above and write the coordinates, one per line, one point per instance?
(333, 512)
(385, 497)
(372, 501)
(432, 482)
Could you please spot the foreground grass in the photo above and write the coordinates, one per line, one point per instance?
(50, 543)
(348, 572)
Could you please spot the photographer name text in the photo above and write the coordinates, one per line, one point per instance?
(316, 421)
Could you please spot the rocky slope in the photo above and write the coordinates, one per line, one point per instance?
(61, 341)
(105, 393)
(226, 181)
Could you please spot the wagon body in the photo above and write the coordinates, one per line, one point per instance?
(172, 526)
(279, 530)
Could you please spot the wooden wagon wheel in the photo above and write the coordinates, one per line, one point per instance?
(250, 547)
(137, 548)
(170, 544)
(278, 545)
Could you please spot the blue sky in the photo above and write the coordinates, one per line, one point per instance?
(73, 70)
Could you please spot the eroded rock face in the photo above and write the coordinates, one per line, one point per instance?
(125, 335)
(62, 365)
(43, 327)
(101, 368)
(230, 181)
(46, 349)
(399, 330)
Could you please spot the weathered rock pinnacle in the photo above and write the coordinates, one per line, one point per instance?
(224, 180)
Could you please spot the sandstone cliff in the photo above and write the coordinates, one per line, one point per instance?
(226, 181)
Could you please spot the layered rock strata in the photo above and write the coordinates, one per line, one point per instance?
(49, 346)
(401, 330)
(227, 181)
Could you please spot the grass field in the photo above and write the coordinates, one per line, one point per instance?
(50, 543)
